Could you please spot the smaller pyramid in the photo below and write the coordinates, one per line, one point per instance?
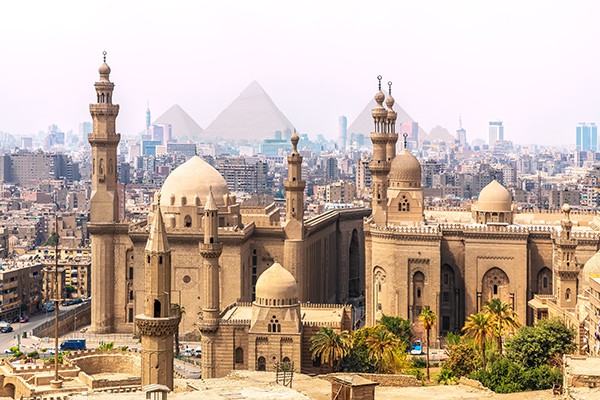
(251, 116)
(183, 125)
(364, 122)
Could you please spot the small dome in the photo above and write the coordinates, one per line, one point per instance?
(405, 168)
(566, 208)
(104, 69)
(494, 198)
(277, 283)
(591, 269)
(195, 177)
(389, 101)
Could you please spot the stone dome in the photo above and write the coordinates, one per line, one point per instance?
(494, 198)
(276, 286)
(405, 168)
(193, 180)
(104, 69)
(591, 268)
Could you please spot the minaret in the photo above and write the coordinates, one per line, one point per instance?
(160, 320)
(104, 202)
(380, 165)
(392, 136)
(566, 270)
(210, 250)
(293, 247)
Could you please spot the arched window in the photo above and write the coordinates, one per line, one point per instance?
(160, 259)
(187, 221)
(286, 360)
(568, 294)
(156, 309)
(495, 289)
(239, 355)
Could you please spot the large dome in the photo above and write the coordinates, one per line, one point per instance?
(405, 168)
(192, 180)
(276, 286)
(591, 268)
(494, 198)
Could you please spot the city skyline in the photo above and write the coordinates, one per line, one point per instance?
(495, 61)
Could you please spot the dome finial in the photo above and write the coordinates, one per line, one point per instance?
(405, 135)
(104, 55)
(295, 139)
(379, 78)
(390, 86)
(158, 199)
(567, 210)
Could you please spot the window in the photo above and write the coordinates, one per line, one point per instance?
(495, 289)
(130, 315)
(445, 297)
(418, 293)
(187, 221)
(239, 355)
(568, 294)
(156, 309)
(261, 364)
(446, 279)
(130, 272)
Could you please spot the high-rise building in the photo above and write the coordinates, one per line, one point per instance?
(496, 133)
(85, 128)
(342, 132)
(148, 118)
(586, 137)
(461, 134)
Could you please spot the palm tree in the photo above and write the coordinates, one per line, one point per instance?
(182, 313)
(479, 326)
(329, 346)
(383, 348)
(503, 318)
(428, 319)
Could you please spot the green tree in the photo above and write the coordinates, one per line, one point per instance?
(479, 326)
(400, 327)
(52, 240)
(507, 376)
(462, 358)
(503, 318)
(533, 346)
(329, 346)
(428, 319)
(358, 359)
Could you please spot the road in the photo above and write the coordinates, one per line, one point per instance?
(8, 340)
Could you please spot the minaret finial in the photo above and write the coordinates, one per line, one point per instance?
(390, 86)
(104, 55)
(379, 78)
(158, 199)
(405, 135)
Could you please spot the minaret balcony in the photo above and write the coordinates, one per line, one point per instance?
(163, 326)
(211, 250)
(379, 167)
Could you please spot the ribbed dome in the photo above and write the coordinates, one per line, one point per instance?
(494, 198)
(193, 179)
(276, 283)
(405, 168)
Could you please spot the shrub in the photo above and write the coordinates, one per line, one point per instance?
(445, 378)
(462, 359)
(418, 362)
(33, 354)
(507, 376)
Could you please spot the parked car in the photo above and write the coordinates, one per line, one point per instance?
(416, 348)
(24, 318)
(198, 351)
(187, 352)
(6, 329)
(14, 319)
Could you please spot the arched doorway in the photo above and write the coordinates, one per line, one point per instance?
(418, 282)
(354, 267)
(8, 391)
(261, 364)
(448, 300)
(378, 288)
(544, 281)
(495, 284)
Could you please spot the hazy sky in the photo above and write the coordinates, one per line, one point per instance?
(533, 64)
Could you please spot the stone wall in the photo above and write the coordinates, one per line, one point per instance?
(95, 362)
(396, 380)
(66, 321)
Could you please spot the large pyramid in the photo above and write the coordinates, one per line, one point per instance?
(364, 122)
(183, 125)
(251, 116)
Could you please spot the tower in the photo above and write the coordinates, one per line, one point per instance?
(342, 132)
(461, 134)
(210, 250)
(293, 246)
(160, 320)
(380, 165)
(148, 118)
(566, 270)
(104, 202)
(392, 136)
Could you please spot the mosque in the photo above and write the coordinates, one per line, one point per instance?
(257, 288)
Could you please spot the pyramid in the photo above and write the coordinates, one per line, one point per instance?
(251, 116)
(183, 125)
(364, 122)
